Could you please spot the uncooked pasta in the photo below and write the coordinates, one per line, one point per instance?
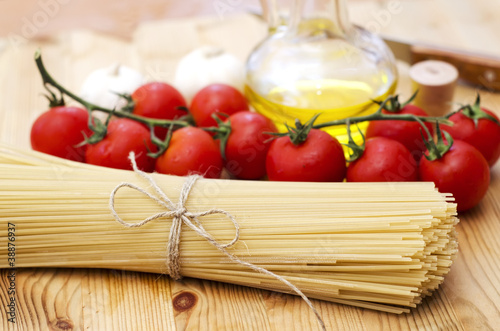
(380, 246)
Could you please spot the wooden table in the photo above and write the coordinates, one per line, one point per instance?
(86, 299)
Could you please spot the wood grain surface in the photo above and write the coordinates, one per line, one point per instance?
(93, 299)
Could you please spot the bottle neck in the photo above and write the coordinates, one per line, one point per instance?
(323, 14)
(276, 13)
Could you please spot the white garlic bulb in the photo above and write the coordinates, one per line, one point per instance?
(102, 85)
(208, 65)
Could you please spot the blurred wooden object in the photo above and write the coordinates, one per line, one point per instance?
(86, 299)
(435, 82)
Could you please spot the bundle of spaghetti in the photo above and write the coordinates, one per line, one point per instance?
(381, 246)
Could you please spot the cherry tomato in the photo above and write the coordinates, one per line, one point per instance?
(383, 160)
(247, 145)
(158, 100)
(319, 159)
(462, 171)
(406, 132)
(191, 151)
(59, 130)
(123, 136)
(485, 136)
(216, 98)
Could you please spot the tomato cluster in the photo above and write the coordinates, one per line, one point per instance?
(225, 134)
(458, 163)
(239, 143)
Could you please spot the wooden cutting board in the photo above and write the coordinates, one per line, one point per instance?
(86, 299)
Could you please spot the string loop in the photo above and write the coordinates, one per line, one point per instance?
(180, 215)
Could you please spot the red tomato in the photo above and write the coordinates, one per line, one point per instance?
(123, 136)
(216, 98)
(158, 100)
(247, 145)
(383, 160)
(191, 151)
(462, 171)
(59, 130)
(406, 132)
(485, 136)
(319, 159)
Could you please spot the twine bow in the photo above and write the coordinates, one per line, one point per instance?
(180, 215)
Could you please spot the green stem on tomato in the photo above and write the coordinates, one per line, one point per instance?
(379, 116)
(356, 150)
(48, 80)
(436, 149)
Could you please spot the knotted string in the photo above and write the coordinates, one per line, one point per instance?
(180, 215)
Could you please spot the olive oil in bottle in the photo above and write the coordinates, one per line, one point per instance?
(332, 99)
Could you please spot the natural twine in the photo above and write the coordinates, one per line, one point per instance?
(180, 215)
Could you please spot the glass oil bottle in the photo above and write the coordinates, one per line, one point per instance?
(316, 62)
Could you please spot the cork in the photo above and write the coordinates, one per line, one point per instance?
(435, 82)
